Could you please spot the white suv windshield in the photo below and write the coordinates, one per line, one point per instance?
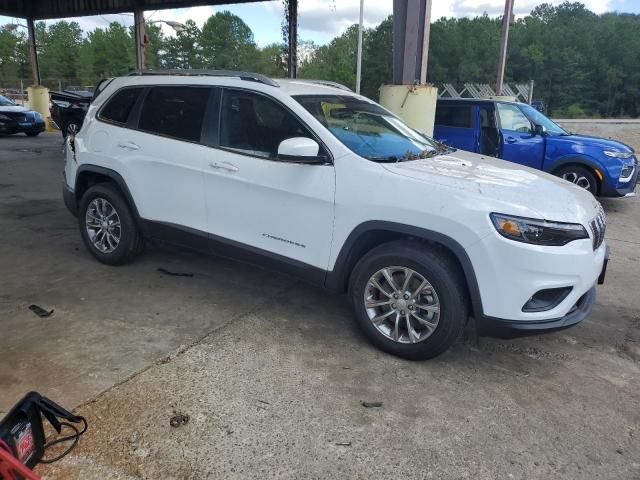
(367, 129)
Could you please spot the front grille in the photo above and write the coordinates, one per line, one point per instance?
(598, 226)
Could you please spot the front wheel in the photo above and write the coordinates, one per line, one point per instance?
(579, 176)
(409, 299)
(32, 134)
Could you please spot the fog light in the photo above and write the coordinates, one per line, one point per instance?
(626, 172)
(547, 299)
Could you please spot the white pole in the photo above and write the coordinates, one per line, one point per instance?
(359, 65)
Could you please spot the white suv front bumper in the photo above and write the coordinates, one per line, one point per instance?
(509, 273)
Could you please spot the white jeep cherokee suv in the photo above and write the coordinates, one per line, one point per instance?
(309, 177)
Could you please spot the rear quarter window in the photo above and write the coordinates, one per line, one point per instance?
(119, 106)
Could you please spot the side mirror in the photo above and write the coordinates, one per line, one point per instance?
(540, 130)
(300, 150)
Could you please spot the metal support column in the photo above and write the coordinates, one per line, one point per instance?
(411, 30)
(504, 39)
(35, 67)
(359, 59)
(138, 20)
(292, 60)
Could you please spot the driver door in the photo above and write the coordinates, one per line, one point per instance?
(518, 142)
(254, 199)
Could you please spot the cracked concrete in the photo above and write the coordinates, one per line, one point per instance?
(272, 372)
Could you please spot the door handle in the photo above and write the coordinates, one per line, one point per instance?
(229, 167)
(512, 139)
(129, 146)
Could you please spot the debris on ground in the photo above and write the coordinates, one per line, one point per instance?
(179, 419)
(371, 404)
(41, 312)
(174, 274)
(343, 444)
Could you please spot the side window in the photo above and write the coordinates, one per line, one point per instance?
(175, 112)
(119, 107)
(512, 118)
(454, 116)
(255, 124)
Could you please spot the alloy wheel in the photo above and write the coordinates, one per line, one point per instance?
(103, 225)
(577, 179)
(72, 129)
(402, 305)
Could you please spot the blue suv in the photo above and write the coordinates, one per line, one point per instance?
(519, 133)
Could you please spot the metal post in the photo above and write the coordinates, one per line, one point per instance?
(426, 32)
(138, 20)
(35, 67)
(531, 85)
(359, 64)
(292, 61)
(504, 38)
(411, 28)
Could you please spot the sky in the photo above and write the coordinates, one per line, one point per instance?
(322, 20)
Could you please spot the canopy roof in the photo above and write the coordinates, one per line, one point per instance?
(45, 9)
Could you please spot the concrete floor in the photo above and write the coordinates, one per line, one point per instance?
(272, 372)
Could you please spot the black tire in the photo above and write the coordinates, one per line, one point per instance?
(439, 270)
(131, 242)
(579, 176)
(32, 134)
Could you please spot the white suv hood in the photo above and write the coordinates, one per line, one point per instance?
(505, 183)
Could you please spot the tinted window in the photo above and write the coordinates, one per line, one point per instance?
(256, 124)
(119, 107)
(512, 118)
(175, 111)
(450, 116)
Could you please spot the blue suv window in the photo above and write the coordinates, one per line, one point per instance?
(454, 116)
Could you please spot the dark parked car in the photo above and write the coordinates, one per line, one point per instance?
(17, 119)
(519, 133)
(68, 109)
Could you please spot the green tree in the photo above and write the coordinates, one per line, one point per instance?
(227, 43)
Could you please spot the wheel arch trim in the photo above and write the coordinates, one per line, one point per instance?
(112, 175)
(337, 278)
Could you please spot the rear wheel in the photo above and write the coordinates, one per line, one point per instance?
(107, 226)
(409, 300)
(580, 176)
(70, 128)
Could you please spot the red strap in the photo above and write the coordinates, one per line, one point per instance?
(10, 465)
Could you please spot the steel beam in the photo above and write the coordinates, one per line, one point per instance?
(411, 30)
(504, 40)
(292, 60)
(138, 20)
(33, 52)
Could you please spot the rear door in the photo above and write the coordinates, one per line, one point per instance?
(162, 160)
(455, 125)
(518, 143)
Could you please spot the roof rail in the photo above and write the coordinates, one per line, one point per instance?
(326, 83)
(251, 77)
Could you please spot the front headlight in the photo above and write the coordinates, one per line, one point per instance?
(4, 118)
(537, 232)
(613, 154)
(37, 115)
